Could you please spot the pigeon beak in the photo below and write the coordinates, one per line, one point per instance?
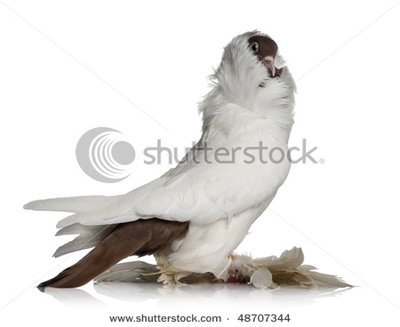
(269, 62)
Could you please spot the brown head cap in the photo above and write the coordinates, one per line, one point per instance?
(265, 49)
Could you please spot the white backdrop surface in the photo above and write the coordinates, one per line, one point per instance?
(141, 68)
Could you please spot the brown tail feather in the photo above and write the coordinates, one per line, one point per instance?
(140, 237)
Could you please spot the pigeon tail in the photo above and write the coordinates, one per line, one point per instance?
(139, 237)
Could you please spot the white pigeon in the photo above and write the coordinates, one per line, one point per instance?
(195, 215)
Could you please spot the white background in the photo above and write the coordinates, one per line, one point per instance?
(69, 66)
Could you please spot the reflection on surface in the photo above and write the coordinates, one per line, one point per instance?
(234, 295)
(73, 297)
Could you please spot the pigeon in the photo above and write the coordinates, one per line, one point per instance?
(192, 217)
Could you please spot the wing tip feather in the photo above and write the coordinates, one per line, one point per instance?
(34, 205)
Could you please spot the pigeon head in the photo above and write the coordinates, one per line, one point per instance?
(248, 61)
(265, 49)
(251, 64)
(253, 75)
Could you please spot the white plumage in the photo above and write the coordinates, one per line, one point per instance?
(246, 106)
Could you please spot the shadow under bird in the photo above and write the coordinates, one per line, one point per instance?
(196, 214)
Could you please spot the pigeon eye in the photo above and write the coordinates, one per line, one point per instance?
(254, 47)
